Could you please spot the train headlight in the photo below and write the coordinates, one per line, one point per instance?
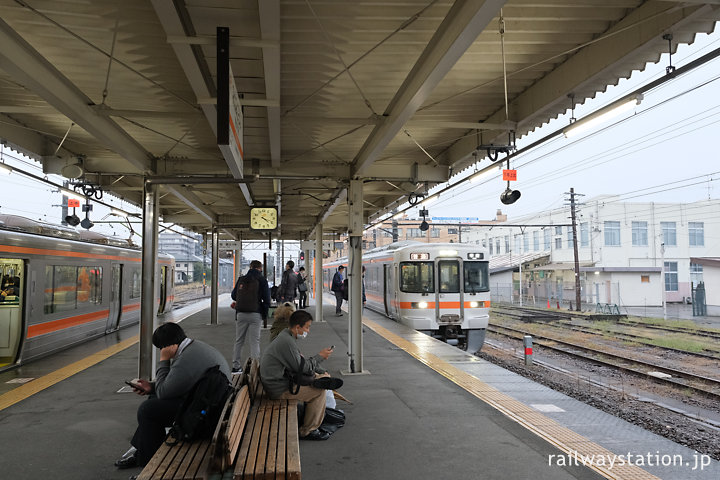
(474, 304)
(475, 256)
(421, 305)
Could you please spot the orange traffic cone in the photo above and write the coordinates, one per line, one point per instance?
(548, 303)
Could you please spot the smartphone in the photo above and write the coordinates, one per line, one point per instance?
(332, 347)
(134, 385)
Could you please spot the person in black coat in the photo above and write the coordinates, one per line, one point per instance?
(337, 289)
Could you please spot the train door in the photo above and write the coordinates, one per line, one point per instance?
(387, 287)
(163, 289)
(12, 295)
(448, 290)
(115, 298)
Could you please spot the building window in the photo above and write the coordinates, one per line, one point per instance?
(536, 240)
(639, 234)
(558, 243)
(558, 230)
(547, 236)
(644, 278)
(669, 234)
(414, 233)
(584, 235)
(491, 246)
(452, 231)
(518, 241)
(671, 277)
(497, 245)
(696, 232)
(435, 233)
(507, 243)
(526, 242)
(696, 273)
(612, 234)
(569, 237)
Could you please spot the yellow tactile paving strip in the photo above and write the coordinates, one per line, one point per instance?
(568, 441)
(31, 388)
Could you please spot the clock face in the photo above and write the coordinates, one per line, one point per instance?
(263, 218)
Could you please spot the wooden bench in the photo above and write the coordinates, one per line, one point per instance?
(270, 447)
(200, 459)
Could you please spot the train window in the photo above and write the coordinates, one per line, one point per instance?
(449, 271)
(476, 277)
(64, 288)
(416, 277)
(89, 286)
(136, 287)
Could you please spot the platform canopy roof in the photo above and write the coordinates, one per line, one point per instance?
(395, 93)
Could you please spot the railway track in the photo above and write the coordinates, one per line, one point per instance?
(678, 378)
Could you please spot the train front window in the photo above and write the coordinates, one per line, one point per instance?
(449, 276)
(416, 277)
(476, 277)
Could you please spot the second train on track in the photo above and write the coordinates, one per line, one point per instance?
(441, 289)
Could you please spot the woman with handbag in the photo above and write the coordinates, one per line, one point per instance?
(302, 287)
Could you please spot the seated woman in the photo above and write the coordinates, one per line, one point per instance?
(8, 293)
(281, 318)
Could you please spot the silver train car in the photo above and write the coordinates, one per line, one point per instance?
(61, 287)
(441, 289)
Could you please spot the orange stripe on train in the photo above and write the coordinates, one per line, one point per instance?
(448, 305)
(55, 325)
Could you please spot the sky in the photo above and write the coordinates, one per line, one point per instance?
(663, 151)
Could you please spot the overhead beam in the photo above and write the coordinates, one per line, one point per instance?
(462, 25)
(25, 64)
(172, 23)
(246, 102)
(270, 30)
(234, 41)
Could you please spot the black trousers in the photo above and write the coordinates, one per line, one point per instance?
(153, 416)
(338, 302)
(303, 299)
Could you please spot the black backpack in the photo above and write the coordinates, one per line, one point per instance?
(245, 294)
(200, 411)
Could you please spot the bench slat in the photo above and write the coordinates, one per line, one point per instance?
(238, 418)
(282, 431)
(262, 456)
(292, 468)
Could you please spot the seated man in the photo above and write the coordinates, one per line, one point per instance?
(182, 362)
(8, 291)
(284, 354)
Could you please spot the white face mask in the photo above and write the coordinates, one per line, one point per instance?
(304, 334)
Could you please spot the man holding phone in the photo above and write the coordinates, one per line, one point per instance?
(283, 355)
(182, 362)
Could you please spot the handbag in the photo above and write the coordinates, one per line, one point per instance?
(298, 379)
(302, 287)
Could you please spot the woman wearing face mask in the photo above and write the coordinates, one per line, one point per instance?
(282, 355)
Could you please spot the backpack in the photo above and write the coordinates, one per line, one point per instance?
(200, 411)
(344, 289)
(245, 294)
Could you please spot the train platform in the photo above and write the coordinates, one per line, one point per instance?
(421, 410)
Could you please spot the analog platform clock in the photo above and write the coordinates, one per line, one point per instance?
(263, 218)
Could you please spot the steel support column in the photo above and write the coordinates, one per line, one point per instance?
(318, 273)
(355, 230)
(214, 278)
(148, 306)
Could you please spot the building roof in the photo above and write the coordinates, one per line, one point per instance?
(706, 261)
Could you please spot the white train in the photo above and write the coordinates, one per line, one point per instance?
(441, 289)
(62, 287)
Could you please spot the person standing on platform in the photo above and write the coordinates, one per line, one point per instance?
(182, 362)
(252, 300)
(302, 287)
(337, 289)
(288, 284)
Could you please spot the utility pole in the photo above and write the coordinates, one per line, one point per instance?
(578, 298)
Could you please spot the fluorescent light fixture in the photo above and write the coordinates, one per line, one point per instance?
(430, 200)
(5, 169)
(119, 213)
(601, 116)
(72, 194)
(484, 174)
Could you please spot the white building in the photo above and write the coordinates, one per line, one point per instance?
(630, 254)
